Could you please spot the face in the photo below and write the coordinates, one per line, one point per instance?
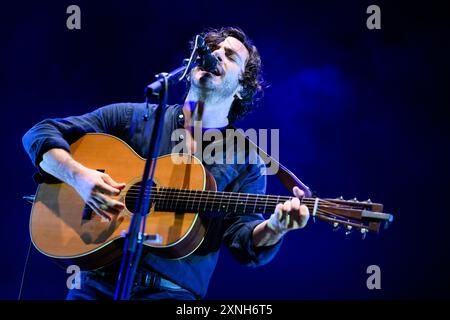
(232, 56)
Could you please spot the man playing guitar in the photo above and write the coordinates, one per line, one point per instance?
(217, 99)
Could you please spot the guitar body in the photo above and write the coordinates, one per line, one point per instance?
(64, 228)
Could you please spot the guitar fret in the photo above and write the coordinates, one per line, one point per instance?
(172, 197)
(188, 199)
(256, 201)
(161, 203)
(176, 202)
(265, 204)
(199, 199)
(245, 203)
(220, 202)
(164, 197)
(200, 202)
(167, 197)
(212, 202)
(237, 202)
(228, 204)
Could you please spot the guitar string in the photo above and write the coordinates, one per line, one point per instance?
(184, 204)
(228, 202)
(213, 198)
(236, 195)
(187, 193)
(216, 198)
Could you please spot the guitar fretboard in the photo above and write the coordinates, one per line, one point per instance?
(169, 199)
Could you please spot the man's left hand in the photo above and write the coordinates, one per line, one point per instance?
(289, 215)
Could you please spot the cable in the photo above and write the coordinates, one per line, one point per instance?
(29, 199)
(191, 58)
(25, 267)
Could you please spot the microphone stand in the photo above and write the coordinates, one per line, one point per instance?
(136, 236)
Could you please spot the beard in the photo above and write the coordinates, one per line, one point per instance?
(208, 86)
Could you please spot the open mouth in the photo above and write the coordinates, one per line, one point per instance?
(215, 72)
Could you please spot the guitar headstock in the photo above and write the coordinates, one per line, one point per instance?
(364, 216)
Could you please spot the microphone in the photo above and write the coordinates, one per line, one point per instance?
(208, 61)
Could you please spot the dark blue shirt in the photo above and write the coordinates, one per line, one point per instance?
(126, 121)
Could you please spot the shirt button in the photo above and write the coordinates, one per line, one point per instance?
(181, 136)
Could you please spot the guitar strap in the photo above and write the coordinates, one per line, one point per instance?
(287, 178)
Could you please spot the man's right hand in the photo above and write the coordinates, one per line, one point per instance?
(96, 189)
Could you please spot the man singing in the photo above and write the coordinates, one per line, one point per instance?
(216, 99)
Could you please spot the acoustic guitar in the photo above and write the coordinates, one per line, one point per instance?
(64, 228)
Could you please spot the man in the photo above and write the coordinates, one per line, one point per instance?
(216, 99)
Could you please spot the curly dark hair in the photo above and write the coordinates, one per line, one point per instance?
(252, 81)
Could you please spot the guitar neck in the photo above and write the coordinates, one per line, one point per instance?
(168, 199)
(365, 216)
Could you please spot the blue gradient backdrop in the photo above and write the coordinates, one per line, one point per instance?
(361, 114)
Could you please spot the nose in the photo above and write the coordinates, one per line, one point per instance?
(219, 54)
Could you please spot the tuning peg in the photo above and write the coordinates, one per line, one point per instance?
(368, 201)
(349, 230)
(341, 198)
(336, 226)
(364, 233)
(355, 199)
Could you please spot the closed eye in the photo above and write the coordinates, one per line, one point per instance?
(230, 54)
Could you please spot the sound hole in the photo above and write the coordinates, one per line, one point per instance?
(132, 196)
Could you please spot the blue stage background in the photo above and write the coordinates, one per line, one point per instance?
(360, 113)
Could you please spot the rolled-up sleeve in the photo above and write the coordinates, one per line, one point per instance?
(61, 132)
(239, 228)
